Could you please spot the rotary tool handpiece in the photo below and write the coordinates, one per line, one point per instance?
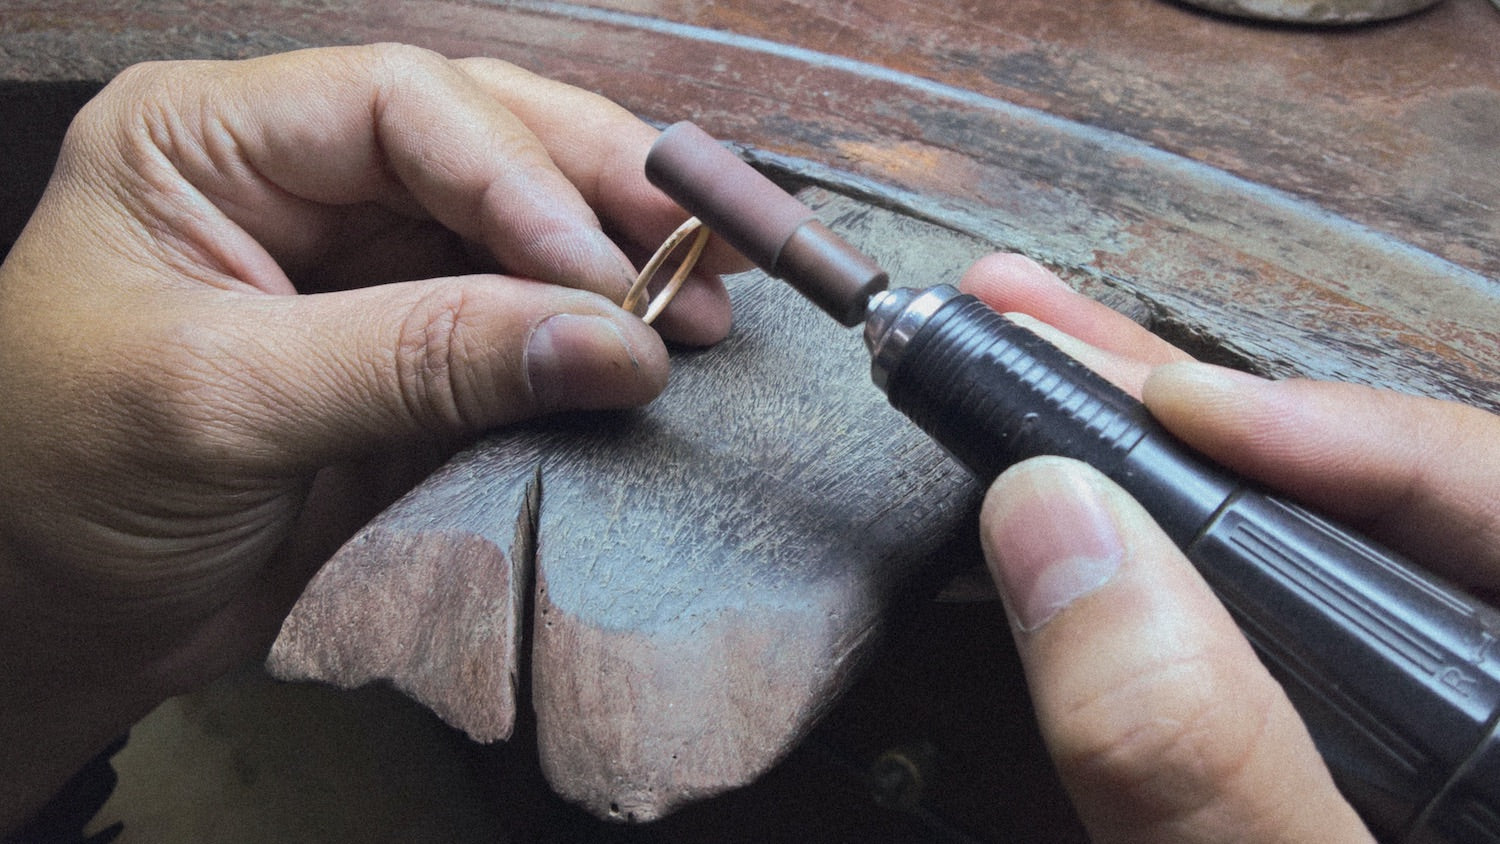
(1396, 674)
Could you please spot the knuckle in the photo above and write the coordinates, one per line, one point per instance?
(125, 142)
(438, 364)
(551, 244)
(402, 64)
(1168, 756)
(144, 86)
(139, 78)
(117, 108)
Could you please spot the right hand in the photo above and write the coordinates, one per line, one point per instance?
(1164, 725)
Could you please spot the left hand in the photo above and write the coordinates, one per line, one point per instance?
(183, 441)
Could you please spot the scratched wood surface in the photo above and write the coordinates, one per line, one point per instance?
(1235, 177)
(1296, 201)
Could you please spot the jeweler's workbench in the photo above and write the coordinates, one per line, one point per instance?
(680, 594)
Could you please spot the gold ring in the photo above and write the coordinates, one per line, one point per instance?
(674, 284)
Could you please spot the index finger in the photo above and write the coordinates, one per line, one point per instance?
(1100, 338)
(601, 148)
(393, 125)
(1010, 282)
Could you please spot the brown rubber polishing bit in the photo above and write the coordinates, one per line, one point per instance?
(764, 222)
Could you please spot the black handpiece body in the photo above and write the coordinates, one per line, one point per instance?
(1396, 674)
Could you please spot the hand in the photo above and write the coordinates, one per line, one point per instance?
(183, 442)
(1163, 723)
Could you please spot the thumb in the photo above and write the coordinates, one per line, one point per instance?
(298, 382)
(1163, 724)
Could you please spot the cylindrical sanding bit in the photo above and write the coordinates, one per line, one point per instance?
(764, 222)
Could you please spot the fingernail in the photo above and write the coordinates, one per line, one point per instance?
(1025, 265)
(1050, 538)
(1035, 267)
(577, 362)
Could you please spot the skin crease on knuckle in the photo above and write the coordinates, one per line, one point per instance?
(428, 362)
(1179, 774)
(449, 378)
(614, 183)
(553, 234)
(407, 81)
(121, 166)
